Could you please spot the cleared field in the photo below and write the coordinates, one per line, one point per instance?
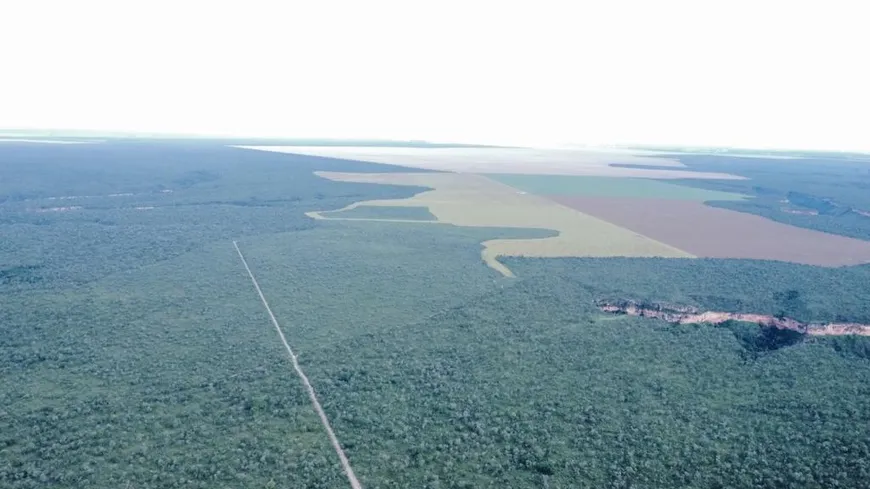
(507, 160)
(475, 200)
(609, 187)
(719, 233)
(40, 141)
(381, 213)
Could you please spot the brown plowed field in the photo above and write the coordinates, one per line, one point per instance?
(719, 233)
(477, 201)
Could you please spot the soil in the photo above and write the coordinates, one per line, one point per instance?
(478, 201)
(689, 315)
(796, 211)
(59, 209)
(711, 232)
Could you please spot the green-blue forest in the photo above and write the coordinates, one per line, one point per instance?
(134, 351)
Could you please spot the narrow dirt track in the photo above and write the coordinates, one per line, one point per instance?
(319, 215)
(345, 463)
(487, 255)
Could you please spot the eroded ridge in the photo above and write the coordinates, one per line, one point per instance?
(690, 315)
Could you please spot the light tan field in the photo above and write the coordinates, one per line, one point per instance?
(40, 141)
(508, 160)
(474, 200)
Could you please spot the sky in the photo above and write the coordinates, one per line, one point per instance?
(771, 74)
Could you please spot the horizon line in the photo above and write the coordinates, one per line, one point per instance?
(120, 134)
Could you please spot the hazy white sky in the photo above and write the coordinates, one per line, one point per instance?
(748, 73)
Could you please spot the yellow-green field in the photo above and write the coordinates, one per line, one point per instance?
(478, 201)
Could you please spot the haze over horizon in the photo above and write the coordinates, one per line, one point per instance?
(744, 74)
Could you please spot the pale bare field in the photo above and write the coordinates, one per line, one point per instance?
(41, 141)
(477, 201)
(508, 160)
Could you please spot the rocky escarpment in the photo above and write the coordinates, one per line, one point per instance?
(689, 315)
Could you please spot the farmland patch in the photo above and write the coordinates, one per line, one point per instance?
(593, 186)
(510, 160)
(381, 212)
(475, 200)
(720, 233)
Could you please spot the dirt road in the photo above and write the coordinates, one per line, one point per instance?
(345, 463)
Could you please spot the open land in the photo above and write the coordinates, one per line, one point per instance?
(636, 217)
(508, 160)
(477, 201)
(828, 187)
(707, 231)
(40, 141)
(679, 216)
(592, 186)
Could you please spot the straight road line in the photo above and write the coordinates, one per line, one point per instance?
(345, 463)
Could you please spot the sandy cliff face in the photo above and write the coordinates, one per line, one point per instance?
(691, 315)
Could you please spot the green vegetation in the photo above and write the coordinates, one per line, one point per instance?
(164, 376)
(802, 292)
(640, 188)
(135, 351)
(759, 339)
(142, 203)
(384, 212)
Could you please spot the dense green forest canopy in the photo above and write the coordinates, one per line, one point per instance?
(135, 352)
(135, 203)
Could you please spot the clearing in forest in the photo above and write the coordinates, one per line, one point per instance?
(510, 160)
(380, 212)
(42, 141)
(475, 200)
(677, 215)
(721, 233)
(638, 188)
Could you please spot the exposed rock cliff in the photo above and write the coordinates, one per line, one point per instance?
(690, 315)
